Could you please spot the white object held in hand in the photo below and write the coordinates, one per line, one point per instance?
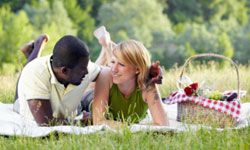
(102, 35)
(99, 32)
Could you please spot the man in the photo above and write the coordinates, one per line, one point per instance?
(51, 87)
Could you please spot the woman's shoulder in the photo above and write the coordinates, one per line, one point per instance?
(105, 76)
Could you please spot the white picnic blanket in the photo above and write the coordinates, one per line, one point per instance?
(13, 124)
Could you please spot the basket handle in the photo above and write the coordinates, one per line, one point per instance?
(217, 56)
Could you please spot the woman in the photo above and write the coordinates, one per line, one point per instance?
(123, 92)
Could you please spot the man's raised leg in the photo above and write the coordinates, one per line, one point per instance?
(33, 50)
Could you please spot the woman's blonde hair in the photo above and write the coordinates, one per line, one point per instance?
(135, 54)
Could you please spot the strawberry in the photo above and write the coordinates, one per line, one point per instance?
(194, 86)
(188, 90)
(191, 89)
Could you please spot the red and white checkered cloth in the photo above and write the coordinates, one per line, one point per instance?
(231, 108)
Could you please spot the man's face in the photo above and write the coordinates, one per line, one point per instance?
(77, 73)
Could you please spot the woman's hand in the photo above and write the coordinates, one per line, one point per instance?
(155, 74)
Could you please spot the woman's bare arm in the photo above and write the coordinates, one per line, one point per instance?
(101, 97)
(152, 96)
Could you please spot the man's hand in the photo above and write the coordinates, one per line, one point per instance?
(155, 74)
(86, 118)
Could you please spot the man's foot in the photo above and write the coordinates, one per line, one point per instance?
(35, 46)
(27, 48)
(39, 44)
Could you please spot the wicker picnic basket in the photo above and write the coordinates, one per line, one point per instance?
(191, 112)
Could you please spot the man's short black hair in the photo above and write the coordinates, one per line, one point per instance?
(68, 50)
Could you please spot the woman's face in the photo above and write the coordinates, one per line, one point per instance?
(122, 72)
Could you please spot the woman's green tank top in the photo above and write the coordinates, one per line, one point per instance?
(131, 109)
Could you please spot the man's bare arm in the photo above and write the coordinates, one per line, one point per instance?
(43, 114)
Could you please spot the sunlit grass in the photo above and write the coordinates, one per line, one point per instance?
(213, 76)
(7, 88)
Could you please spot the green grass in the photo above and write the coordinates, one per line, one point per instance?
(202, 139)
(221, 79)
(7, 88)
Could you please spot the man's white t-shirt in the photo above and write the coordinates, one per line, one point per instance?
(37, 81)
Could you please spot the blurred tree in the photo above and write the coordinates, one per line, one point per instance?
(39, 14)
(83, 14)
(83, 22)
(186, 11)
(17, 5)
(241, 44)
(225, 10)
(206, 10)
(196, 26)
(95, 4)
(225, 45)
(214, 26)
(15, 30)
(51, 18)
(137, 19)
(204, 41)
(194, 39)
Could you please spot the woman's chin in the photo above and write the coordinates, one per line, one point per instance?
(116, 81)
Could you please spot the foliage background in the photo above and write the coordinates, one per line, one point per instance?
(171, 29)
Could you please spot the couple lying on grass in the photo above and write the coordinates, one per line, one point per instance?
(52, 89)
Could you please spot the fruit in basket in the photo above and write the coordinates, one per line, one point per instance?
(230, 97)
(214, 95)
(192, 89)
